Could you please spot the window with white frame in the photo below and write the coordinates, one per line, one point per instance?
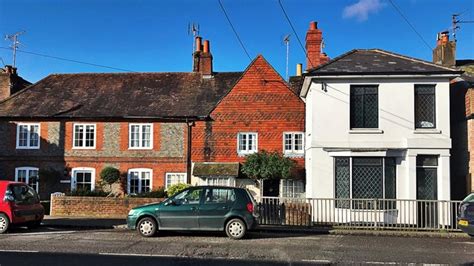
(247, 142)
(28, 175)
(28, 136)
(291, 188)
(84, 136)
(139, 180)
(293, 143)
(140, 136)
(175, 178)
(220, 181)
(83, 179)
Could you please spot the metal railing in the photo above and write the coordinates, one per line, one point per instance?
(430, 215)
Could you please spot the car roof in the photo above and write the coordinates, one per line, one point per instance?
(225, 187)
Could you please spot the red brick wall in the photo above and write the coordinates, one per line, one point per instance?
(98, 207)
(260, 102)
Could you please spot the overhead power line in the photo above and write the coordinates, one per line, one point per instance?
(409, 24)
(234, 30)
(70, 60)
(294, 31)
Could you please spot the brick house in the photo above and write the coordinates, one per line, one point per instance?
(462, 113)
(76, 124)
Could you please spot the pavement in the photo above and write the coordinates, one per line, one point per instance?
(103, 223)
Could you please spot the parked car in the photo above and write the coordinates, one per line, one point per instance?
(203, 208)
(19, 205)
(466, 215)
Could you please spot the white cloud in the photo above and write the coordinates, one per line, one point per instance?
(362, 9)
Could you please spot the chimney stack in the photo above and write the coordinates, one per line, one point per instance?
(445, 51)
(314, 39)
(202, 57)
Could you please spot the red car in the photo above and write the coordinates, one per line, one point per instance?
(19, 205)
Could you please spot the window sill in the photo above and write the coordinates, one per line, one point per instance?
(366, 131)
(83, 148)
(140, 149)
(243, 154)
(27, 148)
(294, 155)
(426, 131)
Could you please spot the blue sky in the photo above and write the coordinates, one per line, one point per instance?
(149, 36)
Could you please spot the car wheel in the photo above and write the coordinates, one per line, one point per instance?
(235, 229)
(147, 227)
(4, 223)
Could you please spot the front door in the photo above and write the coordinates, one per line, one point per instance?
(271, 188)
(182, 211)
(427, 192)
(217, 203)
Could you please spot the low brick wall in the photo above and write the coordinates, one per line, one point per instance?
(99, 207)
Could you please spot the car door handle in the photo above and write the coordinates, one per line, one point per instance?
(224, 207)
(193, 208)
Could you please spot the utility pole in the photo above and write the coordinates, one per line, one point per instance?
(15, 43)
(286, 40)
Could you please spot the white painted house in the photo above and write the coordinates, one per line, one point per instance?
(377, 126)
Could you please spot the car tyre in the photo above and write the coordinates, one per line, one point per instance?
(147, 227)
(235, 228)
(4, 223)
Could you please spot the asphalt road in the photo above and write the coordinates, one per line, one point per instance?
(48, 246)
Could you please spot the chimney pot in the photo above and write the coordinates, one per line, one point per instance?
(206, 46)
(299, 69)
(8, 69)
(198, 44)
(313, 25)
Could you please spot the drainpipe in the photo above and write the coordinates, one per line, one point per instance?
(190, 125)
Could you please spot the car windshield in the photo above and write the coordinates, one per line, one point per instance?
(469, 198)
(24, 194)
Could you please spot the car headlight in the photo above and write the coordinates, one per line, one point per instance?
(132, 212)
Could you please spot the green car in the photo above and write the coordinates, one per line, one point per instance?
(203, 208)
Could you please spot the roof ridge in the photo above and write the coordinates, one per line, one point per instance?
(411, 58)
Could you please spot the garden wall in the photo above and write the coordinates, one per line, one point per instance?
(99, 207)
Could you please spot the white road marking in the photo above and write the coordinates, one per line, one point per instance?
(381, 262)
(137, 255)
(19, 251)
(41, 233)
(317, 261)
(468, 243)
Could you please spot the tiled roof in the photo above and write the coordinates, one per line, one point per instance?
(120, 95)
(378, 62)
(296, 83)
(216, 169)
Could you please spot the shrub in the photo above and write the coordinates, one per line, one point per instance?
(173, 189)
(87, 193)
(268, 165)
(158, 193)
(110, 175)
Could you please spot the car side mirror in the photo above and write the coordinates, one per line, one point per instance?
(170, 202)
